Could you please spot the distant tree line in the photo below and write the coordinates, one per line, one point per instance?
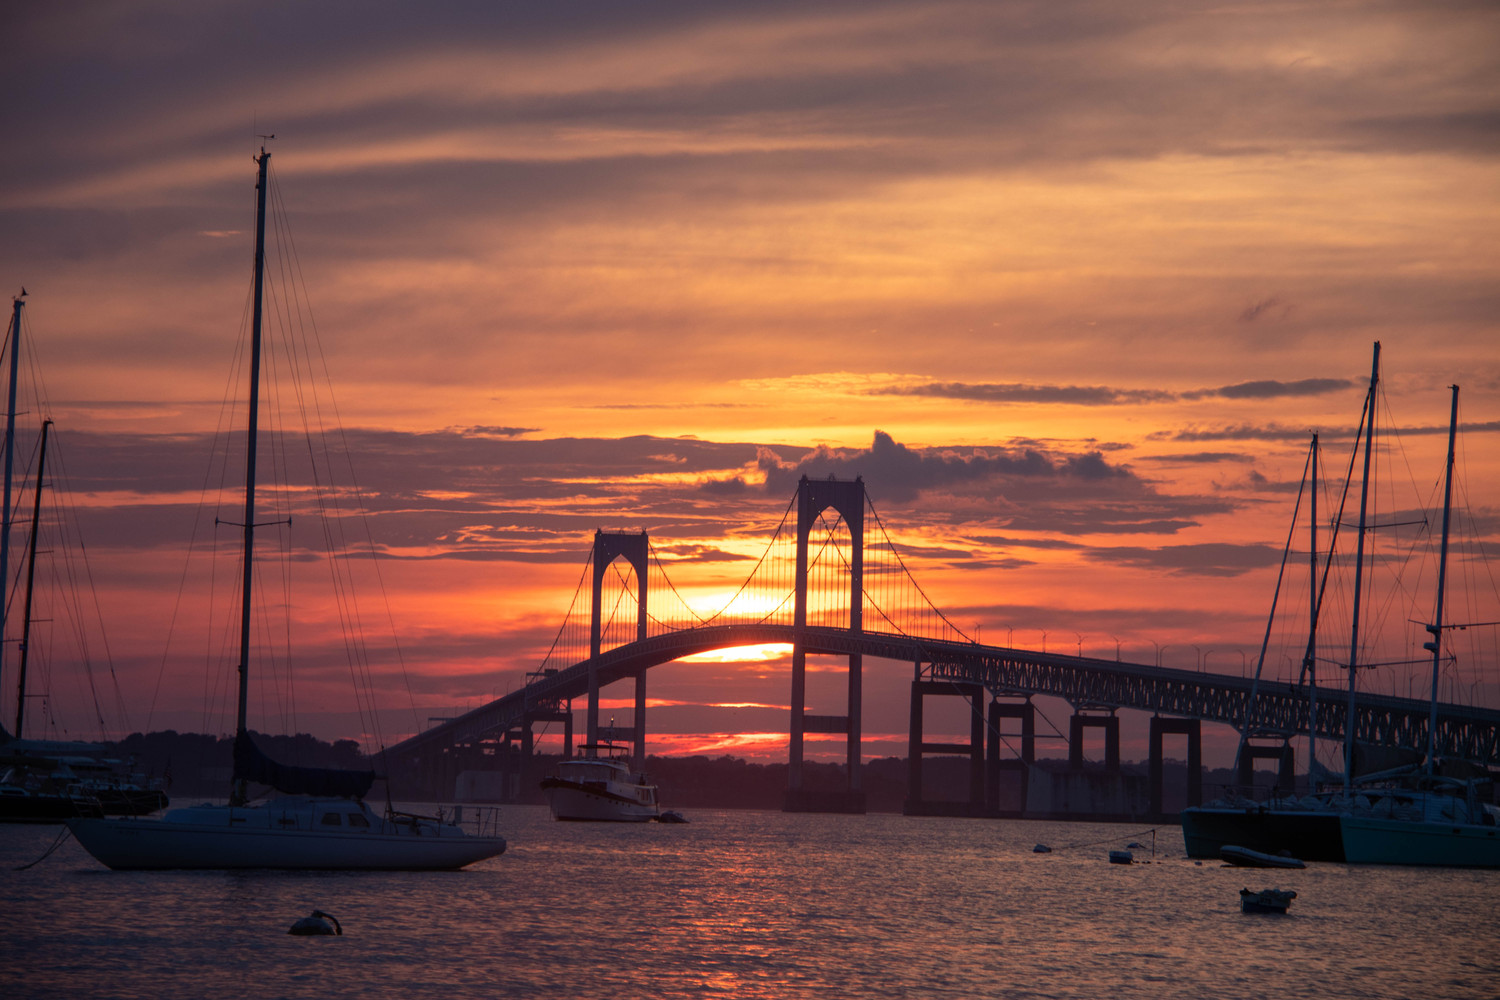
(195, 764)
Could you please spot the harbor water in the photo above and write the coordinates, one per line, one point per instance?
(754, 904)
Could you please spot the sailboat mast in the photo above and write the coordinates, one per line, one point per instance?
(1311, 662)
(36, 520)
(1359, 567)
(263, 160)
(10, 450)
(1436, 628)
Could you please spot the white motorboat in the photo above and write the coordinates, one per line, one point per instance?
(325, 824)
(600, 787)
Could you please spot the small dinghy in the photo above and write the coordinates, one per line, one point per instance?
(1266, 901)
(1121, 858)
(1244, 857)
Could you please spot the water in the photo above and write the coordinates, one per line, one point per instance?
(754, 904)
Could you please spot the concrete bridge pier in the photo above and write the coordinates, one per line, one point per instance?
(918, 747)
(1193, 730)
(1025, 711)
(1109, 723)
(1281, 752)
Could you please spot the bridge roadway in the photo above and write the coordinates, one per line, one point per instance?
(1281, 709)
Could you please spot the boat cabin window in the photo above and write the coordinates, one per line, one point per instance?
(358, 820)
(332, 819)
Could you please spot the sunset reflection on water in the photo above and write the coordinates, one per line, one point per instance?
(758, 904)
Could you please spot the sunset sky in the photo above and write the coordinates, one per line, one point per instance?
(1068, 284)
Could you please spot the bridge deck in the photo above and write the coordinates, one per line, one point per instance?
(1282, 709)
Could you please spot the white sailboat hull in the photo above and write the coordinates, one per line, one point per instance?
(284, 835)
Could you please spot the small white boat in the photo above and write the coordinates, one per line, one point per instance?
(600, 787)
(1266, 901)
(1244, 857)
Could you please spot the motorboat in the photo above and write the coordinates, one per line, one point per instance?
(1266, 900)
(599, 786)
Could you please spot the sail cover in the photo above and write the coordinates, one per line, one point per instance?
(250, 764)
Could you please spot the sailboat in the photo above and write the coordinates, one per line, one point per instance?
(1428, 817)
(49, 781)
(1407, 814)
(1307, 828)
(320, 821)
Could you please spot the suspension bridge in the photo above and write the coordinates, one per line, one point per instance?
(831, 582)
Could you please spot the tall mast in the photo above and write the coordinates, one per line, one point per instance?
(10, 449)
(1436, 628)
(1359, 567)
(36, 520)
(1310, 661)
(237, 797)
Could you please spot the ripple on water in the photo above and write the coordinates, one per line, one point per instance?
(754, 904)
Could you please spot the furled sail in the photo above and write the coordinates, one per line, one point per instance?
(250, 764)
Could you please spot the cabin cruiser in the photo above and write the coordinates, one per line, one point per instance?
(599, 786)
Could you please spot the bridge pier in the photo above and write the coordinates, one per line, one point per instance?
(918, 747)
(1109, 723)
(1193, 730)
(1282, 753)
(848, 498)
(994, 766)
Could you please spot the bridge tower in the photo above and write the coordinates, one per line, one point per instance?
(814, 496)
(634, 548)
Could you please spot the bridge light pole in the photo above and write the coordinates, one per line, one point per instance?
(1117, 647)
(1199, 653)
(1080, 644)
(1242, 662)
(1044, 640)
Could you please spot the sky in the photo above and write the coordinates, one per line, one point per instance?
(1069, 284)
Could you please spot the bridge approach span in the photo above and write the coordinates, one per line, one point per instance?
(1280, 709)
